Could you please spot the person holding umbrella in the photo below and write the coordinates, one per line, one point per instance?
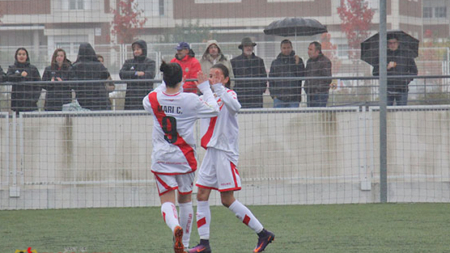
(286, 93)
(399, 62)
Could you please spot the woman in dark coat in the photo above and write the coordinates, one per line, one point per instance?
(57, 94)
(140, 67)
(92, 96)
(23, 96)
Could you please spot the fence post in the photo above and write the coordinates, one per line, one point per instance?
(383, 102)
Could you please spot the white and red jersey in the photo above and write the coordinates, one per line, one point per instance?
(222, 132)
(174, 148)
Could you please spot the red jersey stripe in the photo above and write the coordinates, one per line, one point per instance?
(207, 137)
(209, 133)
(187, 150)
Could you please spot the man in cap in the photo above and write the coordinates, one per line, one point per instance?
(189, 64)
(213, 55)
(250, 92)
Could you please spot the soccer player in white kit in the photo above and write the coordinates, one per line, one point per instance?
(174, 156)
(218, 170)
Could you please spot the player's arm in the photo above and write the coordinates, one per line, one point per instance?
(207, 104)
(146, 103)
(228, 97)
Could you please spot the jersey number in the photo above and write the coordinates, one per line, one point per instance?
(169, 126)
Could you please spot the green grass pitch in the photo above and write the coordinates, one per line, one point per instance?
(380, 228)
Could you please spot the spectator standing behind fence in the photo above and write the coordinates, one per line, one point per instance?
(213, 55)
(286, 93)
(110, 87)
(140, 67)
(185, 57)
(399, 62)
(90, 95)
(57, 94)
(318, 65)
(248, 65)
(23, 96)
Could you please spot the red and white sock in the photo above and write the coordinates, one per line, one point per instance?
(246, 216)
(169, 213)
(186, 219)
(203, 219)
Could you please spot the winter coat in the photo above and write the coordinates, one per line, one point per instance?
(284, 66)
(207, 62)
(190, 66)
(24, 96)
(136, 91)
(318, 67)
(93, 96)
(250, 93)
(57, 94)
(405, 65)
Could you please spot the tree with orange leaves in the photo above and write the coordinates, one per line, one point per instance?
(127, 21)
(356, 19)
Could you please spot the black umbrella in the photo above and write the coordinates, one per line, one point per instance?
(295, 27)
(370, 47)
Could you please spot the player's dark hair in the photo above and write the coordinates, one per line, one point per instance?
(225, 72)
(172, 73)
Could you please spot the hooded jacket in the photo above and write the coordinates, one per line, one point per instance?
(57, 94)
(284, 66)
(136, 91)
(93, 96)
(250, 93)
(207, 61)
(23, 96)
(405, 65)
(190, 66)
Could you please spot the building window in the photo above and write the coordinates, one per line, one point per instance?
(342, 51)
(427, 12)
(161, 7)
(76, 4)
(440, 12)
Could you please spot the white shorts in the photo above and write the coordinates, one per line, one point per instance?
(217, 172)
(184, 183)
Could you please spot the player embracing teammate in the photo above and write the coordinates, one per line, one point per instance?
(218, 170)
(174, 156)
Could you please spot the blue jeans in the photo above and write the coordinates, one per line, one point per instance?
(401, 98)
(317, 100)
(277, 103)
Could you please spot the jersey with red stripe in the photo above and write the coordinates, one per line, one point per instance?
(174, 116)
(222, 132)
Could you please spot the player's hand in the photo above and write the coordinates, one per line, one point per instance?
(140, 73)
(201, 78)
(24, 74)
(216, 77)
(59, 79)
(297, 59)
